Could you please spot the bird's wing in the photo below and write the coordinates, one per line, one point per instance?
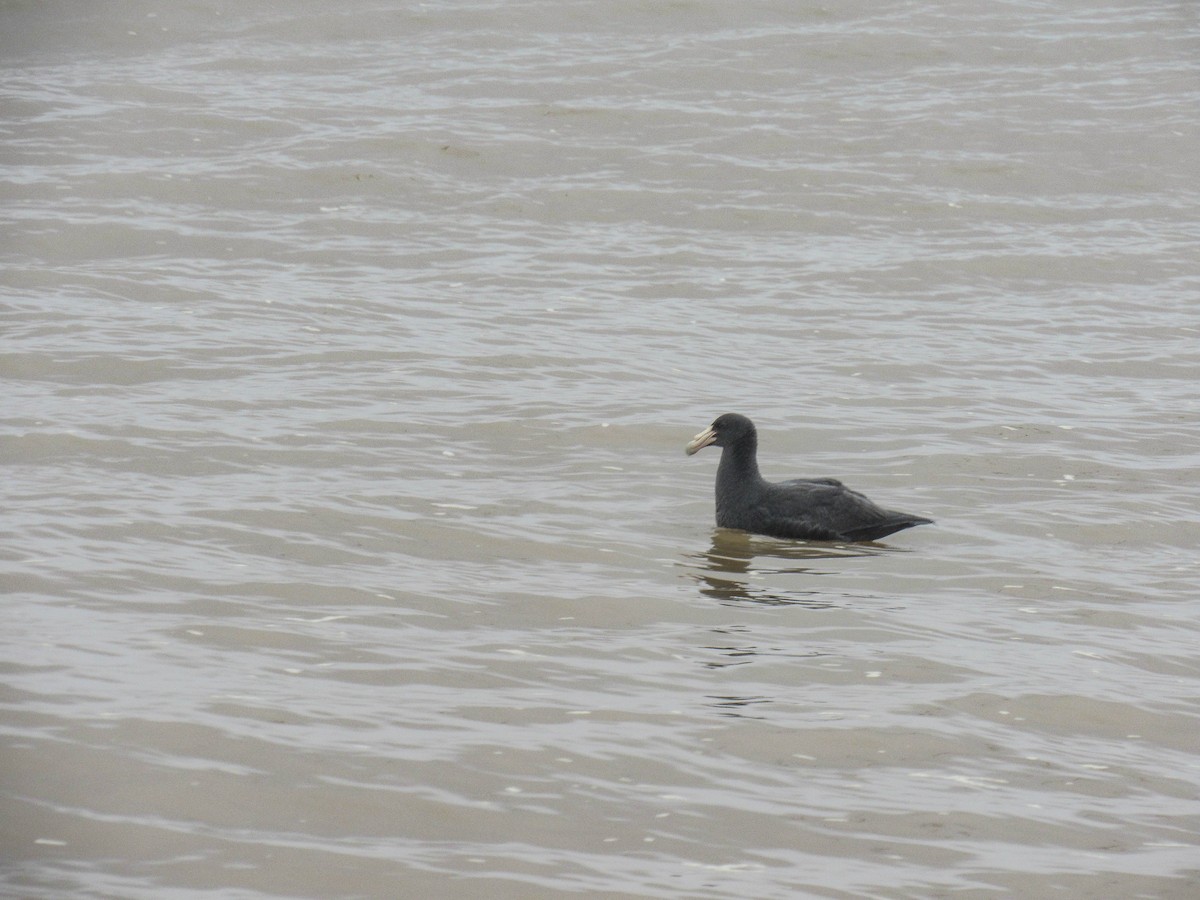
(825, 509)
(832, 482)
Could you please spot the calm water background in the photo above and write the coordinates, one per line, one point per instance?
(349, 351)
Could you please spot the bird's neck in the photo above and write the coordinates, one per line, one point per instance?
(739, 466)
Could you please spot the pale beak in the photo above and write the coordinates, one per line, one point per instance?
(700, 441)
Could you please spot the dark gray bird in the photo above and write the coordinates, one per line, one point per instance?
(814, 509)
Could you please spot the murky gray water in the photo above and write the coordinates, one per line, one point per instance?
(349, 354)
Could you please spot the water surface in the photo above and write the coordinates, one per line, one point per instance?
(349, 355)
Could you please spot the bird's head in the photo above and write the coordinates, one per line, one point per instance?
(724, 431)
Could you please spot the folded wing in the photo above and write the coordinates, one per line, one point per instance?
(824, 509)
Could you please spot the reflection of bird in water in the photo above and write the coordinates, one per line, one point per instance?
(816, 509)
(733, 553)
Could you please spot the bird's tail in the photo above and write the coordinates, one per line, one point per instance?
(884, 527)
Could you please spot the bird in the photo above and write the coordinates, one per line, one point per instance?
(813, 509)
